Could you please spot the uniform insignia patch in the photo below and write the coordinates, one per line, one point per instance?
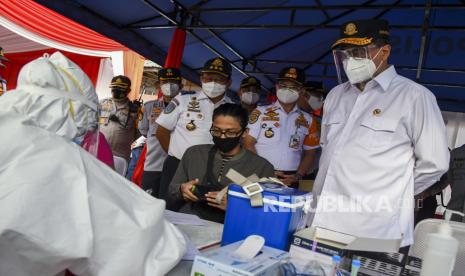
(269, 133)
(191, 126)
(156, 111)
(171, 106)
(271, 115)
(194, 105)
(301, 121)
(351, 29)
(253, 117)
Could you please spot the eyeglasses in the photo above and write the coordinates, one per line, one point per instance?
(228, 133)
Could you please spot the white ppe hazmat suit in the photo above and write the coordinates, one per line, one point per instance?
(61, 208)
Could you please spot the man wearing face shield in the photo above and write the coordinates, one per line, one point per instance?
(280, 132)
(383, 140)
(186, 121)
(170, 85)
(118, 117)
(249, 93)
(61, 208)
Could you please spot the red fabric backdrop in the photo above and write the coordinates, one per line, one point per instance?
(90, 65)
(45, 22)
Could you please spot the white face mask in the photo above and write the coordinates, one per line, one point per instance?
(360, 69)
(315, 102)
(287, 96)
(213, 89)
(170, 89)
(249, 97)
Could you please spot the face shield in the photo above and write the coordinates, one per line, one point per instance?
(355, 64)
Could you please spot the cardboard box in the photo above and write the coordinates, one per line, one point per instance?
(321, 244)
(221, 261)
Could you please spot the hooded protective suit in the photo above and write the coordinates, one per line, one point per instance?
(60, 208)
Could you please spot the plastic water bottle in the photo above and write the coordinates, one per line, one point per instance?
(441, 250)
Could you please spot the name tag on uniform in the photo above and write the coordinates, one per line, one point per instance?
(294, 141)
(104, 117)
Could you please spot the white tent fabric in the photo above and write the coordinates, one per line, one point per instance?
(13, 43)
(16, 39)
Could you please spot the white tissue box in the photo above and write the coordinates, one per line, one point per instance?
(221, 261)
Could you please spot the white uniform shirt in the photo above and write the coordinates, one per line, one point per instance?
(147, 126)
(273, 129)
(184, 111)
(380, 147)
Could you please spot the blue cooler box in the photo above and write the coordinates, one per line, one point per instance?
(280, 216)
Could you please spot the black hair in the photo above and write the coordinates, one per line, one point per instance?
(380, 42)
(233, 110)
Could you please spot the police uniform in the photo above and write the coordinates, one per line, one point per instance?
(155, 156)
(118, 119)
(282, 137)
(316, 86)
(189, 118)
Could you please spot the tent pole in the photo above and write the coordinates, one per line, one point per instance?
(424, 39)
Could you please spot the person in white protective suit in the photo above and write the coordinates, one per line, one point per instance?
(61, 208)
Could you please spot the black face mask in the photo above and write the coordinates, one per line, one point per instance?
(118, 93)
(226, 144)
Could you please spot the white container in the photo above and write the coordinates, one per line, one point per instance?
(441, 250)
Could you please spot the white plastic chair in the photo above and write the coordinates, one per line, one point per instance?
(427, 226)
(121, 165)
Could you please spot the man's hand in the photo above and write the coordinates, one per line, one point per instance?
(211, 196)
(287, 179)
(186, 190)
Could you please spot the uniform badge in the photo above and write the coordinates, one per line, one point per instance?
(271, 115)
(377, 112)
(269, 132)
(154, 115)
(301, 121)
(156, 111)
(253, 117)
(276, 124)
(191, 126)
(171, 106)
(194, 105)
(291, 73)
(351, 29)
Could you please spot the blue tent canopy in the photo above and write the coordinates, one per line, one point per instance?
(260, 37)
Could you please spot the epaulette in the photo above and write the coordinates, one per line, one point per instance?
(188, 93)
